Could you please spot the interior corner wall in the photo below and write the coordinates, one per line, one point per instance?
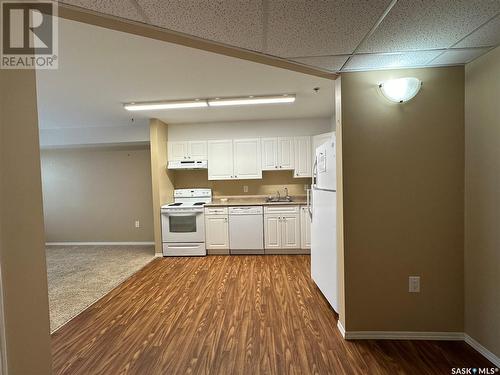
(22, 249)
(162, 180)
(482, 200)
(403, 172)
(95, 194)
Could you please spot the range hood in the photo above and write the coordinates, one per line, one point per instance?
(188, 164)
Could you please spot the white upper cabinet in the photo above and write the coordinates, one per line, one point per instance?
(197, 150)
(187, 150)
(220, 160)
(277, 153)
(177, 150)
(285, 152)
(303, 167)
(247, 158)
(269, 154)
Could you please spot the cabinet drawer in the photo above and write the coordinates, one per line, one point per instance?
(279, 209)
(215, 210)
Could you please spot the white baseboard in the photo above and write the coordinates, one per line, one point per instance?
(403, 335)
(341, 328)
(481, 349)
(97, 243)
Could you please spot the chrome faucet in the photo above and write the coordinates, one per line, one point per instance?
(278, 193)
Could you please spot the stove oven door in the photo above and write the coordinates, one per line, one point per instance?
(183, 225)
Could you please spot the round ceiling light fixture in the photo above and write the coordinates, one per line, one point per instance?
(400, 90)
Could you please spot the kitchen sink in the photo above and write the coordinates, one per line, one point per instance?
(278, 200)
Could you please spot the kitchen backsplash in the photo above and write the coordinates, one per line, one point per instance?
(270, 182)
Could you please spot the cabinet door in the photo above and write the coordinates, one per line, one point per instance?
(197, 150)
(305, 228)
(247, 158)
(220, 160)
(285, 153)
(272, 232)
(177, 151)
(290, 237)
(216, 232)
(269, 154)
(302, 152)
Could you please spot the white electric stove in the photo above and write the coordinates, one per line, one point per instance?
(183, 223)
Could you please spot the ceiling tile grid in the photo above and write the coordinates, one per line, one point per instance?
(119, 8)
(312, 28)
(326, 34)
(487, 35)
(330, 63)
(458, 56)
(428, 24)
(390, 60)
(234, 22)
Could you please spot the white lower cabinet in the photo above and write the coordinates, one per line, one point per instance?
(281, 227)
(290, 231)
(305, 228)
(217, 230)
(272, 231)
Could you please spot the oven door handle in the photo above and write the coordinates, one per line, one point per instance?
(183, 214)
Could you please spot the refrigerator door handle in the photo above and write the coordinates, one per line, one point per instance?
(315, 172)
(309, 203)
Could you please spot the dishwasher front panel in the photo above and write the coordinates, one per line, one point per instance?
(246, 232)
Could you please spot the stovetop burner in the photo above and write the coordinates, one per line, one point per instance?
(175, 204)
(199, 204)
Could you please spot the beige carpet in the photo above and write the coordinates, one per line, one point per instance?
(80, 275)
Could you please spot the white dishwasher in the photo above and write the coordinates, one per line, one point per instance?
(246, 230)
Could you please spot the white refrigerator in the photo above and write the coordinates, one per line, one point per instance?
(323, 211)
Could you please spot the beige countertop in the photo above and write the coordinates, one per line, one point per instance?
(252, 200)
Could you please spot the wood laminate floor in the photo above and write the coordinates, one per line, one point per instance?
(232, 315)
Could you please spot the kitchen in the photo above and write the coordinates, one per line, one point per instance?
(243, 220)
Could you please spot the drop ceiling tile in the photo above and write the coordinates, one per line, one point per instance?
(459, 56)
(237, 23)
(118, 8)
(487, 35)
(309, 28)
(388, 61)
(331, 63)
(428, 24)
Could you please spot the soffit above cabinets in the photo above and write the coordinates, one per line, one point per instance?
(327, 35)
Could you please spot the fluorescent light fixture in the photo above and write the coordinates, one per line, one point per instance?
(251, 100)
(400, 90)
(217, 102)
(149, 106)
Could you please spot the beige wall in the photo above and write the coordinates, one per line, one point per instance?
(270, 182)
(162, 186)
(403, 170)
(22, 252)
(96, 194)
(249, 129)
(482, 200)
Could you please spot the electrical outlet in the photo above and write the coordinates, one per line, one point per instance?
(414, 284)
(137, 224)
(245, 188)
(306, 187)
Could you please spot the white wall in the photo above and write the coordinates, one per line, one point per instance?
(94, 135)
(248, 129)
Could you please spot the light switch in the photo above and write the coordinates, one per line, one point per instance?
(414, 284)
